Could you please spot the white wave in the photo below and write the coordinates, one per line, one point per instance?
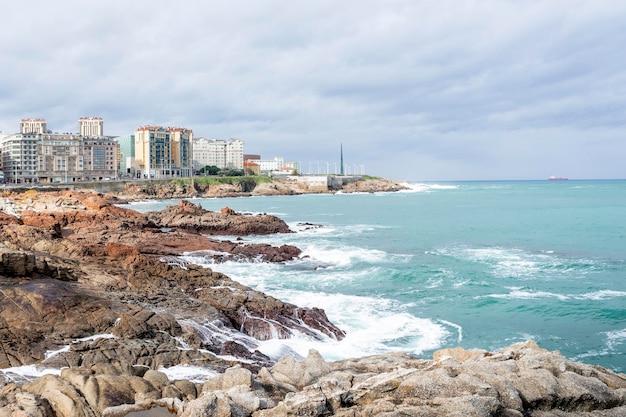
(372, 325)
(20, 374)
(434, 282)
(306, 228)
(461, 283)
(521, 294)
(196, 374)
(458, 328)
(508, 262)
(425, 188)
(443, 187)
(615, 338)
(66, 348)
(614, 341)
(591, 354)
(343, 256)
(51, 353)
(518, 263)
(601, 295)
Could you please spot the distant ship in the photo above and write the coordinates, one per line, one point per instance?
(557, 178)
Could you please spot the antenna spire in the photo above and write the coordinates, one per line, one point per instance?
(341, 166)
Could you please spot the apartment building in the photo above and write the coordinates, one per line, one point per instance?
(162, 152)
(19, 158)
(70, 157)
(100, 158)
(220, 153)
(33, 126)
(35, 155)
(91, 127)
(58, 157)
(181, 150)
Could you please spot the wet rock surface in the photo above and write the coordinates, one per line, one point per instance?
(74, 265)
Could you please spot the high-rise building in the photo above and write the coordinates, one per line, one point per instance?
(153, 152)
(220, 153)
(181, 150)
(100, 158)
(163, 152)
(38, 156)
(59, 158)
(91, 126)
(19, 158)
(33, 126)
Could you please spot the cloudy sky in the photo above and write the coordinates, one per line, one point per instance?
(413, 89)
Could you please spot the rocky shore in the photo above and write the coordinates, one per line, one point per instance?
(249, 187)
(97, 291)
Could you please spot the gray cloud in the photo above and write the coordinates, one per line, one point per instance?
(413, 89)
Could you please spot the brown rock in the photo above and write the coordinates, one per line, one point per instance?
(64, 399)
(191, 217)
(8, 219)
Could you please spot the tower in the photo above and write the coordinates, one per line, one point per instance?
(341, 163)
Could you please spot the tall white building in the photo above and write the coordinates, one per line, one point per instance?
(220, 153)
(19, 157)
(91, 126)
(33, 126)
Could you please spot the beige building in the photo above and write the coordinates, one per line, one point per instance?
(47, 158)
(59, 158)
(34, 155)
(101, 158)
(181, 150)
(71, 157)
(33, 126)
(91, 126)
(163, 152)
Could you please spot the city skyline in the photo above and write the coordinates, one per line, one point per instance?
(94, 126)
(416, 90)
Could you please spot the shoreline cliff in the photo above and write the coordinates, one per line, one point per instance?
(250, 186)
(74, 264)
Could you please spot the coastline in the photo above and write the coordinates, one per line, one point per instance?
(80, 240)
(218, 187)
(246, 187)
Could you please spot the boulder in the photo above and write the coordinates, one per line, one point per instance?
(64, 399)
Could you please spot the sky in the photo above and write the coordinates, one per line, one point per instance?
(419, 90)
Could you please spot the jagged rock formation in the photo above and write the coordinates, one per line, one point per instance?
(520, 380)
(189, 216)
(74, 265)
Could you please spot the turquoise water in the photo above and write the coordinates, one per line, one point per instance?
(476, 264)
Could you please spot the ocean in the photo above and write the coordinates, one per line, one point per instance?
(480, 265)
